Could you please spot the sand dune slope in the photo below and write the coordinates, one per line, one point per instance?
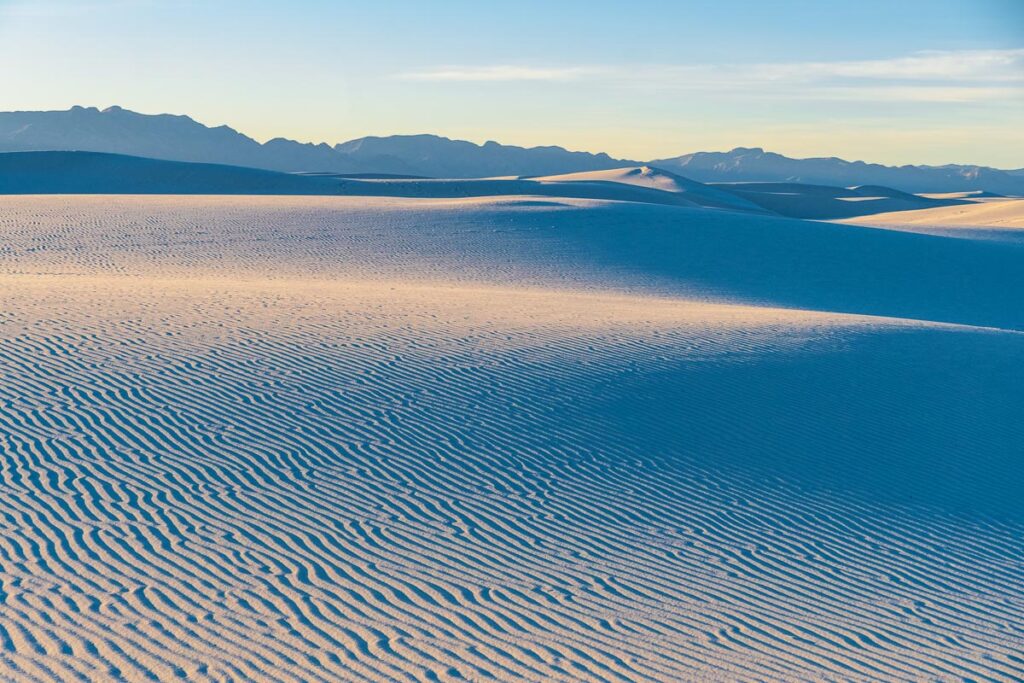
(515, 240)
(799, 200)
(998, 218)
(301, 439)
(98, 173)
(698, 194)
(101, 173)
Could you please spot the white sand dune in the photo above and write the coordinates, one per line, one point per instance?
(989, 218)
(799, 200)
(698, 194)
(593, 245)
(100, 173)
(971, 194)
(340, 438)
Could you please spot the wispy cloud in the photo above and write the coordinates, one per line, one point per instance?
(938, 76)
(502, 73)
(970, 65)
(914, 93)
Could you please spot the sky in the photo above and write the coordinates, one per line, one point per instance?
(908, 81)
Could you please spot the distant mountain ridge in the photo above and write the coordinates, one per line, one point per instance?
(753, 164)
(180, 138)
(439, 157)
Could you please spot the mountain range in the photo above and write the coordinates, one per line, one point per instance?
(180, 138)
(745, 164)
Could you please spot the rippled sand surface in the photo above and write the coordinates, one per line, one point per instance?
(495, 439)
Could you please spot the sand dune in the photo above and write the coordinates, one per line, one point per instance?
(96, 173)
(521, 437)
(798, 200)
(714, 256)
(988, 218)
(657, 179)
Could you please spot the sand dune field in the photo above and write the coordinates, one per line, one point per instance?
(504, 438)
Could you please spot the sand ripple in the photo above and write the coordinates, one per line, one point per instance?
(331, 479)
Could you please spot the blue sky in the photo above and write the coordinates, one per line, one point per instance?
(898, 82)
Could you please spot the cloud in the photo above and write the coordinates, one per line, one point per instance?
(918, 93)
(934, 76)
(500, 73)
(982, 66)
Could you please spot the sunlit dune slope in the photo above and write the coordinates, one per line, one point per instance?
(671, 251)
(698, 194)
(995, 218)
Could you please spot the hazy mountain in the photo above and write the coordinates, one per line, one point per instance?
(439, 157)
(159, 136)
(180, 138)
(745, 164)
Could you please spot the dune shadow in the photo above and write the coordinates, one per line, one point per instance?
(913, 416)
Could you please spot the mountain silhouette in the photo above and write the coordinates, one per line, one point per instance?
(746, 164)
(181, 138)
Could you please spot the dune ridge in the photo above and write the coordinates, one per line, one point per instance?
(64, 172)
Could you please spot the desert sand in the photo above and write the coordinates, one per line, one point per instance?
(977, 218)
(508, 437)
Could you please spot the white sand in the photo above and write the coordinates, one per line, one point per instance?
(989, 218)
(272, 438)
(698, 194)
